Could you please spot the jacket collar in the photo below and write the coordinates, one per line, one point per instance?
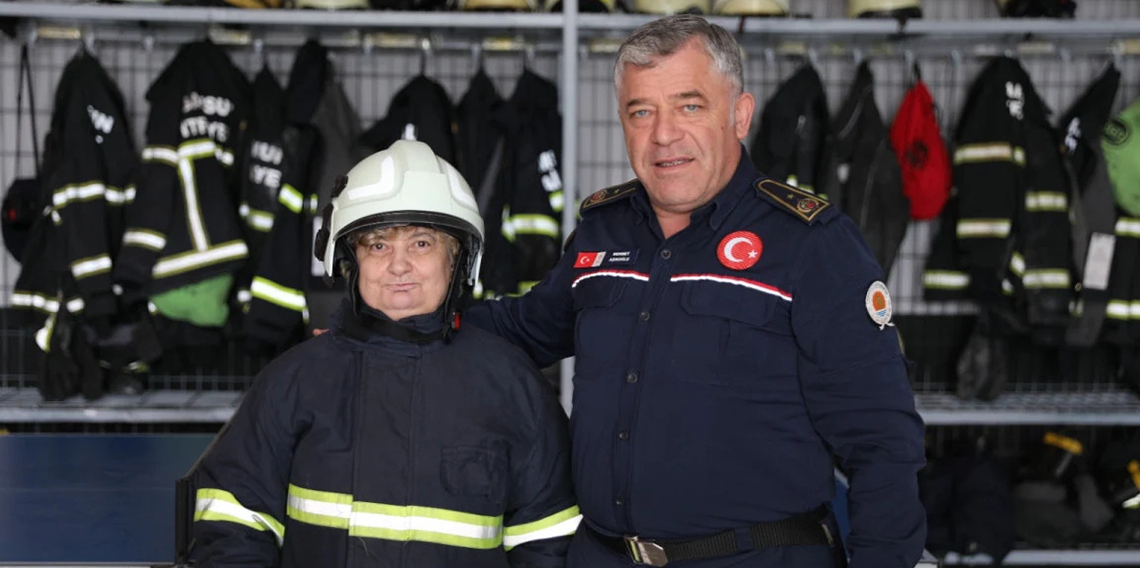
(355, 327)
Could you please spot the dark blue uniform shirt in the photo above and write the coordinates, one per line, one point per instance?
(720, 371)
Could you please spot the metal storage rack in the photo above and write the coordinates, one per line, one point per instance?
(592, 146)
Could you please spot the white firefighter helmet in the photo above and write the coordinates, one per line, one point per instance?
(750, 7)
(884, 8)
(405, 184)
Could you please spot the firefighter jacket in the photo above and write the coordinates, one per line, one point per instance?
(261, 163)
(317, 106)
(278, 209)
(792, 143)
(87, 179)
(528, 191)
(942, 276)
(315, 97)
(869, 187)
(421, 110)
(1122, 318)
(478, 142)
(1093, 209)
(183, 226)
(481, 145)
(356, 449)
(1012, 234)
(719, 372)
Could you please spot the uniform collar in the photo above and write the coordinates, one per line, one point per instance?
(717, 210)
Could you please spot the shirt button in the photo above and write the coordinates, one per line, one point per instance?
(644, 316)
(623, 435)
(631, 378)
(619, 502)
(666, 254)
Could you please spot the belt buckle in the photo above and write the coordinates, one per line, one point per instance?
(645, 552)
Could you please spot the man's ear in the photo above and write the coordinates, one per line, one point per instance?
(745, 106)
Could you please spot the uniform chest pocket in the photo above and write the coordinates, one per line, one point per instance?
(732, 335)
(474, 472)
(602, 326)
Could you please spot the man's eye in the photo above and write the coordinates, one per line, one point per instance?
(423, 244)
(692, 108)
(377, 246)
(639, 113)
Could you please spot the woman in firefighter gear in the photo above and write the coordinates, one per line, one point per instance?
(400, 437)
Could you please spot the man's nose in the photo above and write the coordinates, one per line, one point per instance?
(665, 129)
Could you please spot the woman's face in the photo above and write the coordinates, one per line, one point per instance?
(404, 271)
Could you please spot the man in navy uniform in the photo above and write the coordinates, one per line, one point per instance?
(733, 342)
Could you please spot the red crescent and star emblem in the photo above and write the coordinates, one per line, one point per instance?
(740, 250)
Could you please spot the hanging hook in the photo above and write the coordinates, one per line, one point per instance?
(148, 43)
(528, 55)
(857, 56)
(89, 40)
(425, 47)
(259, 50)
(912, 65)
(813, 57)
(477, 55)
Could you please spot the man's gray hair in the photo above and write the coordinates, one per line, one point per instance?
(663, 37)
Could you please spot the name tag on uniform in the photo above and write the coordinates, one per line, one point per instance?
(605, 258)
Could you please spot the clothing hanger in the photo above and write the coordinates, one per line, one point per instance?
(259, 49)
(477, 56)
(912, 64)
(425, 48)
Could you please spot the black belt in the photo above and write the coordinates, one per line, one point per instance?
(803, 529)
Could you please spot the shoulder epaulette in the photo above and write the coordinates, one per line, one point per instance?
(608, 195)
(803, 204)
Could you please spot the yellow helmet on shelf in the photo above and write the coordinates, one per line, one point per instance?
(499, 5)
(671, 6)
(750, 7)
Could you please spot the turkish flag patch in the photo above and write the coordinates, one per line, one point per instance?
(589, 259)
(740, 250)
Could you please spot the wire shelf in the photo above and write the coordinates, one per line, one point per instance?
(161, 406)
(1110, 408)
(1090, 557)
